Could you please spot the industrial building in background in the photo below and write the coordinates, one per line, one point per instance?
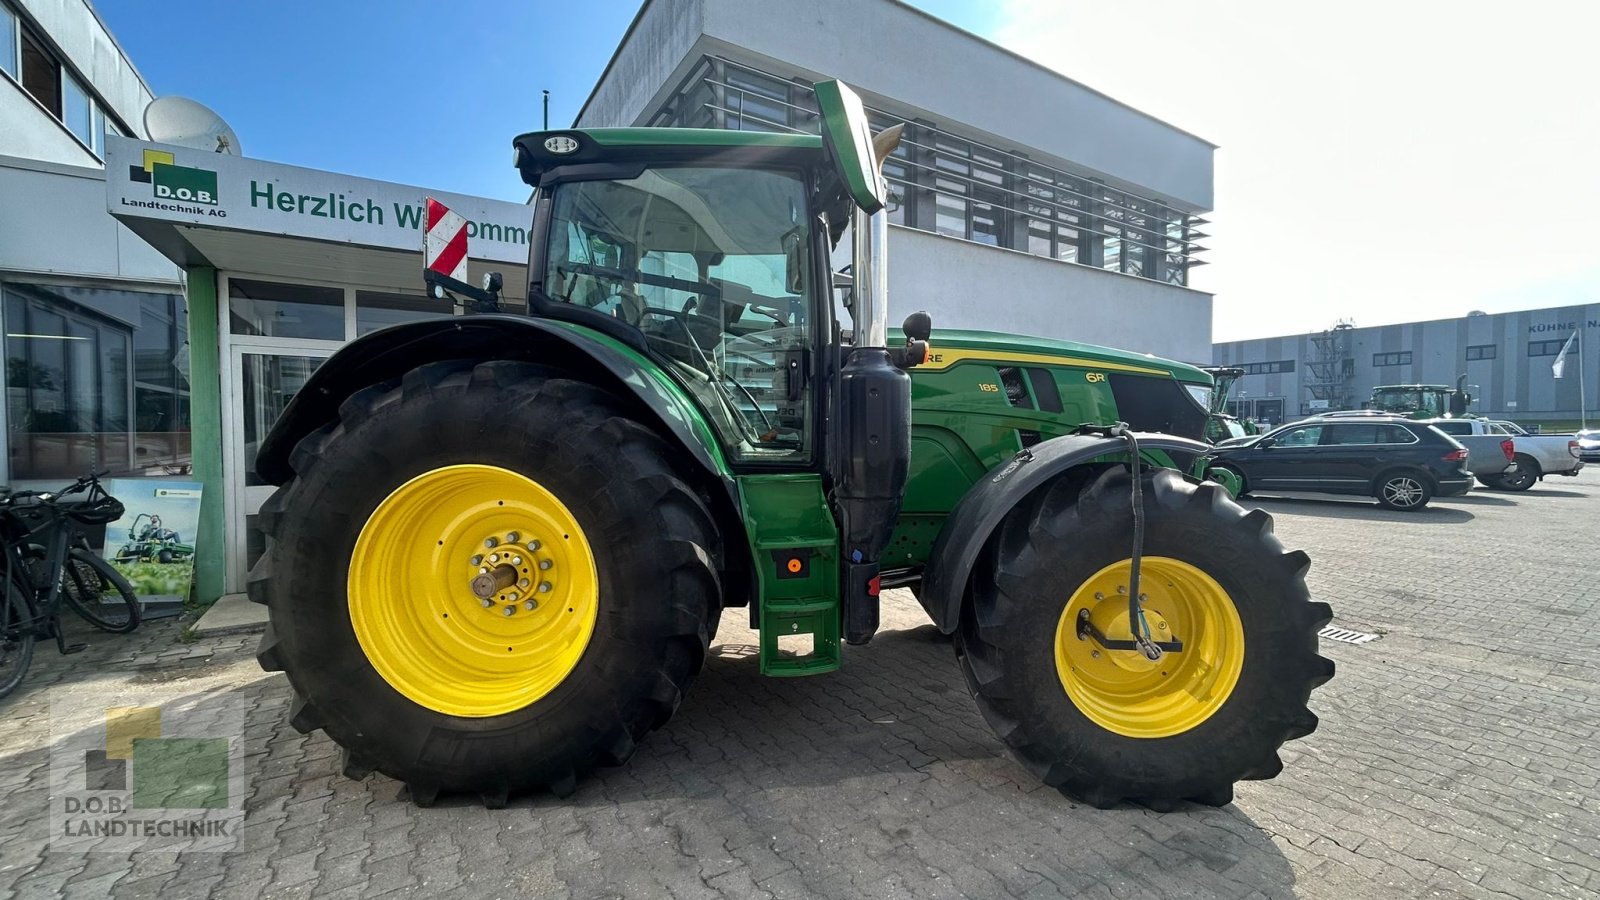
(1506, 358)
(1023, 200)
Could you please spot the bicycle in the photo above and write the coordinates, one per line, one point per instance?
(48, 564)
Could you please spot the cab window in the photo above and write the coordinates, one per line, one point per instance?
(712, 266)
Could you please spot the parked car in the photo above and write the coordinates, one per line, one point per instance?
(1400, 462)
(1488, 455)
(1537, 455)
(1589, 444)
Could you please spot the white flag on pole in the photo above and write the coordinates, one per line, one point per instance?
(1561, 358)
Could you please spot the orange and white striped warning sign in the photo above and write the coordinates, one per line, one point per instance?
(444, 241)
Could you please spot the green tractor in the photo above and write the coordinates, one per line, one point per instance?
(151, 542)
(1222, 425)
(502, 543)
(1422, 401)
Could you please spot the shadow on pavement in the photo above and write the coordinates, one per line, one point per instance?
(1551, 492)
(1478, 498)
(1356, 508)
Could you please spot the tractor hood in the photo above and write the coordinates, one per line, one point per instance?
(949, 346)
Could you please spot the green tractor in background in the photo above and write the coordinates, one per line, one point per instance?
(1222, 425)
(502, 543)
(1422, 401)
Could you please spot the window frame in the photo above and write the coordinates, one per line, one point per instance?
(101, 119)
(810, 457)
(1389, 360)
(1484, 352)
(15, 41)
(1269, 367)
(1546, 347)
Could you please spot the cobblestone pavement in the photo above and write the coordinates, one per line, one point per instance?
(1456, 757)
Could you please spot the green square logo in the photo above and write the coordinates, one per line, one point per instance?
(180, 773)
(184, 184)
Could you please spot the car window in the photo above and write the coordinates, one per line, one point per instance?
(1454, 427)
(1351, 434)
(1395, 434)
(1308, 436)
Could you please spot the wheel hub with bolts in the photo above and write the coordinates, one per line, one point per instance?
(503, 575)
(473, 590)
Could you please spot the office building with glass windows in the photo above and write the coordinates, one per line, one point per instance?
(158, 333)
(1023, 201)
(95, 319)
(1506, 359)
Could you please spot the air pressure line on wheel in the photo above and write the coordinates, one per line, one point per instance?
(1137, 625)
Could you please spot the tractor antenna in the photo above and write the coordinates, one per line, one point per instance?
(546, 111)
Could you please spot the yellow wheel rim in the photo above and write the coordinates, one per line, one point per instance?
(1121, 690)
(424, 626)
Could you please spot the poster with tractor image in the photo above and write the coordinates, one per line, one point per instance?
(153, 544)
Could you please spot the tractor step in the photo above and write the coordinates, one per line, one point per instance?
(799, 638)
(796, 548)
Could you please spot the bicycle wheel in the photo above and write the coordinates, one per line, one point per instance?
(98, 593)
(16, 637)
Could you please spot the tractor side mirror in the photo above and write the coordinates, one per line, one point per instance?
(794, 262)
(917, 326)
(845, 285)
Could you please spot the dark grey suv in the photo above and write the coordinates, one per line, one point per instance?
(1400, 462)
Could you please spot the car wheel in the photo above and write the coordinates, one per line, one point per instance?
(1404, 491)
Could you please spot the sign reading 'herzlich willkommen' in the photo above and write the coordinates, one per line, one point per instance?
(178, 184)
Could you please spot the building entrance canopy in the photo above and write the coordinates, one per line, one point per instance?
(230, 212)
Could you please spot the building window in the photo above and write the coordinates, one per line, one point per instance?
(9, 34)
(41, 75)
(57, 89)
(375, 310)
(95, 379)
(270, 309)
(1546, 348)
(1392, 359)
(1277, 367)
(951, 185)
(1481, 351)
(77, 110)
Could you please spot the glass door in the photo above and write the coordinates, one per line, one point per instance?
(263, 382)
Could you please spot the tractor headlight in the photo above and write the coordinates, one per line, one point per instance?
(1201, 395)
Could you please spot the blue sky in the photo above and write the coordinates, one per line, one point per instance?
(403, 90)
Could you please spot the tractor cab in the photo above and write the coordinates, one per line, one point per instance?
(1422, 401)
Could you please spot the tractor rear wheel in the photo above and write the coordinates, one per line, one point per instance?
(1106, 725)
(486, 578)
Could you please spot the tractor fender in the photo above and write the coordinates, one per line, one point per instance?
(979, 513)
(393, 351)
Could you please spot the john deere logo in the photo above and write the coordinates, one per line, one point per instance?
(169, 181)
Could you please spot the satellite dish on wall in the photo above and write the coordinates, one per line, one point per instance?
(185, 123)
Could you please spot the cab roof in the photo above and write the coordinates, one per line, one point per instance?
(539, 151)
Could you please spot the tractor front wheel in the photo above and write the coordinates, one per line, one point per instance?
(1045, 641)
(486, 578)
